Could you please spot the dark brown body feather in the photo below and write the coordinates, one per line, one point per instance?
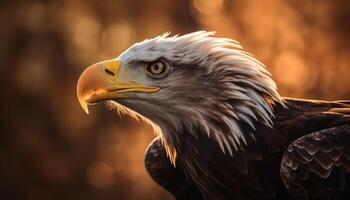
(306, 155)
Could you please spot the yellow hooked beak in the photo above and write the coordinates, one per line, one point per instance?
(101, 81)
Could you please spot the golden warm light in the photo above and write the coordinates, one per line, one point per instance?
(51, 150)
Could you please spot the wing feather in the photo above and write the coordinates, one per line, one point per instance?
(318, 163)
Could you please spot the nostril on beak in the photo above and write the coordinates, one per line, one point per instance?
(109, 72)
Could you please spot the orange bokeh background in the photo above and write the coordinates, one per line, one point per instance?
(49, 149)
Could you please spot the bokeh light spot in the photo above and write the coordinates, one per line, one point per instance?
(291, 71)
(208, 6)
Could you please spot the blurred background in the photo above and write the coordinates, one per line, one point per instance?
(50, 149)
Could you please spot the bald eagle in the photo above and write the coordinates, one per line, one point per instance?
(224, 132)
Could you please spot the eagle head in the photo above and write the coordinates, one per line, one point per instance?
(195, 81)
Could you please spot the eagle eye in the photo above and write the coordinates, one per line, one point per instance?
(158, 69)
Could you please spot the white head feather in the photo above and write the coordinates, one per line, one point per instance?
(228, 85)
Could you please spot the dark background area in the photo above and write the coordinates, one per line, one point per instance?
(50, 149)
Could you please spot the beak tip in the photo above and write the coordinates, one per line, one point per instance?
(85, 108)
(84, 105)
(86, 111)
(82, 102)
